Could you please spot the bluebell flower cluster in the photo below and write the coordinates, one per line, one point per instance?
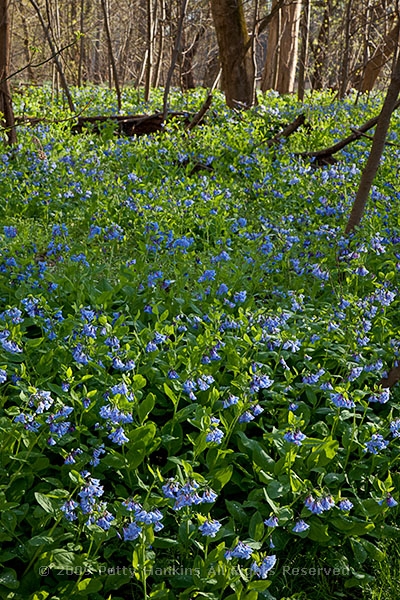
(318, 505)
(294, 437)
(266, 565)
(210, 528)
(376, 444)
(187, 494)
(214, 434)
(241, 550)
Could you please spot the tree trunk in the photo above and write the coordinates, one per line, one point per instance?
(378, 145)
(238, 74)
(160, 48)
(111, 53)
(379, 59)
(344, 75)
(81, 42)
(305, 36)
(46, 29)
(174, 57)
(150, 47)
(320, 49)
(282, 49)
(5, 95)
(188, 54)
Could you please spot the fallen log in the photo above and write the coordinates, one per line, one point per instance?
(128, 125)
(288, 130)
(325, 156)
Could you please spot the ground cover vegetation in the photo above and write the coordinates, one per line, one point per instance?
(191, 360)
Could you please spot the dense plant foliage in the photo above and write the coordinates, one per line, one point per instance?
(191, 358)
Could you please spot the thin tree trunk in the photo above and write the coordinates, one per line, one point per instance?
(6, 107)
(81, 42)
(305, 35)
(27, 51)
(174, 58)
(344, 75)
(111, 54)
(160, 50)
(149, 59)
(378, 145)
(46, 29)
(321, 49)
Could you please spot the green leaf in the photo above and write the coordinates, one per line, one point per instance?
(8, 578)
(146, 407)
(220, 477)
(138, 382)
(40, 540)
(89, 585)
(170, 394)
(237, 511)
(256, 527)
(45, 503)
(373, 551)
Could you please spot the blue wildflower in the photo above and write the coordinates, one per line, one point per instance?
(68, 508)
(375, 444)
(79, 356)
(241, 550)
(300, 526)
(208, 275)
(389, 500)
(345, 505)
(10, 231)
(131, 532)
(210, 528)
(272, 521)
(266, 565)
(294, 437)
(395, 428)
(118, 436)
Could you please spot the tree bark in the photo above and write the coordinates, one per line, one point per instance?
(282, 49)
(175, 54)
(111, 54)
(305, 36)
(344, 75)
(238, 73)
(5, 95)
(379, 59)
(320, 49)
(378, 145)
(46, 29)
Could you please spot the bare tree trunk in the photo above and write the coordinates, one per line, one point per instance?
(321, 48)
(283, 43)
(378, 145)
(379, 59)
(28, 54)
(188, 55)
(175, 53)
(160, 50)
(5, 95)
(111, 53)
(238, 74)
(81, 42)
(344, 75)
(150, 33)
(305, 35)
(46, 29)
